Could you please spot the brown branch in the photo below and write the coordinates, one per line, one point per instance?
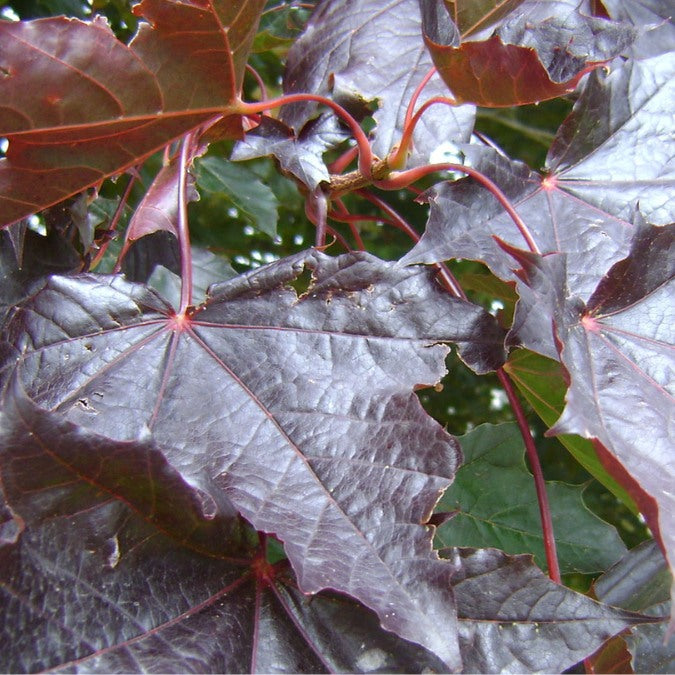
(356, 180)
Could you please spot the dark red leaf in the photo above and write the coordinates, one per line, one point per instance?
(465, 219)
(617, 349)
(641, 582)
(301, 155)
(372, 50)
(158, 210)
(638, 581)
(654, 21)
(613, 152)
(95, 588)
(27, 258)
(613, 658)
(296, 442)
(44, 458)
(512, 618)
(584, 208)
(103, 106)
(92, 587)
(535, 55)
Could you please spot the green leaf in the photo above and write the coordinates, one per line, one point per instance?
(491, 288)
(241, 187)
(279, 26)
(540, 381)
(472, 16)
(496, 506)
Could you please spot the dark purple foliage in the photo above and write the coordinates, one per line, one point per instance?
(205, 471)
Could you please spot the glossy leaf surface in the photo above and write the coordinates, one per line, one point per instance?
(515, 619)
(584, 208)
(465, 219)
(641, 581)
(296, 429)
(611, 152)
(95, 117)
(616, 350)
(26, 259)
(162, 606)
(532, 56)
(250, 483)
(99, 589)
(340, 54)
(654, 21)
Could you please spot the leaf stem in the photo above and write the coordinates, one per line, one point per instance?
(416, 94)
(183, 230)
(365, 153)
(397, 180)
(114, 222)
(258, 80)
(316, 209)
(539, 484)
(341, 214)
(397, 157)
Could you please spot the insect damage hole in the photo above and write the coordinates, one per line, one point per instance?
(302, 283)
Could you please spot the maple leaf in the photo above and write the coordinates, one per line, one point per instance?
(641, 581)
(26, 259)
(73, 500)
(583, 208)
(87, 545)
(540, 52)
(105, 106)
(299, 155)
(372, 50)
(654, 21)
(611, 152)
(616, 348)
(465, 218)
(514, 619)
(297, 442)
(158, 210)
(494, 504)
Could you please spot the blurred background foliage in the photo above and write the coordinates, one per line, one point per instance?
(220, 222)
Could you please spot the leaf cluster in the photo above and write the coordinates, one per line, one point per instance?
(224, 449)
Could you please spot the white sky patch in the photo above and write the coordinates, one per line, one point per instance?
(36, 224)
(495, 306)
(449, 152)
(9, 13)
(498, 399)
